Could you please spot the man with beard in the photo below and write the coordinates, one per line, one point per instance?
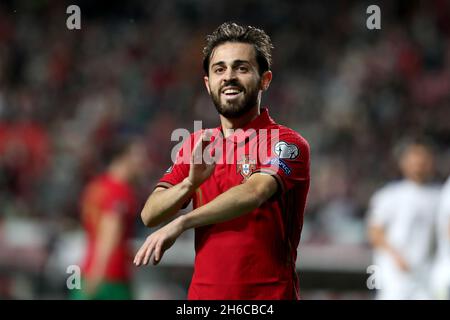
(248, 208)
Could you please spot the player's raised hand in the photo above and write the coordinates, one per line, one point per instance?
(157, 243)
(201, 167)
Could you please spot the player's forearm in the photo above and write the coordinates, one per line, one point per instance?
(108, 237)
(161, 205)
(448, 232)
(378, 240)
(98, 271)
(231, 204)
(102, 255)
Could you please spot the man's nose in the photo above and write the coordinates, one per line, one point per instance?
(229, 74)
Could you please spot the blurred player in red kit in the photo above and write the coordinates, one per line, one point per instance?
(108, 206)
(248, 212)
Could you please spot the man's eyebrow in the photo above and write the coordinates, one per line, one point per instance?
(235, 63)
(218, 63)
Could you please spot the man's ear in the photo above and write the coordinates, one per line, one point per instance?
(206, 80)
(266, 78)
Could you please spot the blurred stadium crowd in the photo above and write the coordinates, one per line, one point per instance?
(351, 92)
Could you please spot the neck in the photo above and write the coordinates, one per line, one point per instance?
(228, 124)
(417, 180)
(119, 172)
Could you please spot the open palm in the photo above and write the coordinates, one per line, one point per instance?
(200, 168)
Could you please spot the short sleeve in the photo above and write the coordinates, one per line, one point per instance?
(380, 207)
(288, 160)
(444, 205)
(179, 170)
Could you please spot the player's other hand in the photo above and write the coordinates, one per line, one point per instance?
(401, 263)
(201, 166)
(157, 243)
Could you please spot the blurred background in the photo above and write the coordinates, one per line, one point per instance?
(135, 66)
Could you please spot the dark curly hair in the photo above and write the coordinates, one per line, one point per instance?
(232, 32)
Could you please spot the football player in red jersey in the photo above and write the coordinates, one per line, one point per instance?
(108, 208)
(248, 212)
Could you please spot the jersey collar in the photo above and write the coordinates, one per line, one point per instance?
(260, 122)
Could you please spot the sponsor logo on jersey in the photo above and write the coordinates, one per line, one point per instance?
(280, 163)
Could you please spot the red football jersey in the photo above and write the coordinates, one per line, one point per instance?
(252, 256)
(103, 196)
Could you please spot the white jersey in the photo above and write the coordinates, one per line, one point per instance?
(441, 270)
(406, 211)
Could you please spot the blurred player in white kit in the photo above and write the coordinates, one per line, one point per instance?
(401, 227)
(441, 268)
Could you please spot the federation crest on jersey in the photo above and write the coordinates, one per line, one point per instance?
(246, 166)
(286, 150)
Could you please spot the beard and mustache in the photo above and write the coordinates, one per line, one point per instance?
(233, 109)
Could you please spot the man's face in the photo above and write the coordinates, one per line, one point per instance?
(233, 82)
(137, 158)
(417, 163)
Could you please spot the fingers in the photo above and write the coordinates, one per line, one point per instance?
(197, 151)
(157, 256)
(207, 134)
(207, 139)
(151, 250)
(200, 145)
(144, 252)
(138, 258)
(148, 252)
